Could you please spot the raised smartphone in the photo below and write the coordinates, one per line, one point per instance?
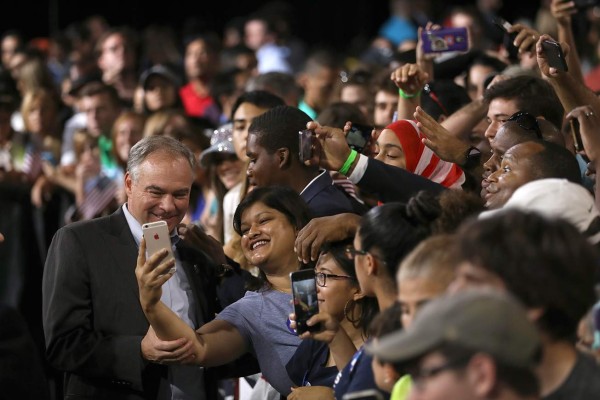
(576, 135)
(305, 145)
(554, 55)
(445, 40)
(358, 137)
(157, 238)
(304, 294)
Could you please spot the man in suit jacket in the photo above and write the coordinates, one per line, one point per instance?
(273, 152)
(95, 329)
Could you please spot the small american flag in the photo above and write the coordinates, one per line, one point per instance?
(98, 198)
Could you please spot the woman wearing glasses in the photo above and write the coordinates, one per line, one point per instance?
(315, 364)
(267, 220)
(385, 236)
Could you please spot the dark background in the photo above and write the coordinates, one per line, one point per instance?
(328, 22)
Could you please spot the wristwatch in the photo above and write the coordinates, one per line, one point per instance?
(473, 158)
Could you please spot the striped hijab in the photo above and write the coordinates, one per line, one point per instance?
(421, 160)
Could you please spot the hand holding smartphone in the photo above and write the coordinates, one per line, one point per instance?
(157, 238)
(304, 293)
(554, 55)
(359, 137)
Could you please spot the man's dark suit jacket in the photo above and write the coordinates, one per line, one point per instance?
(324, 198)
(92, 316)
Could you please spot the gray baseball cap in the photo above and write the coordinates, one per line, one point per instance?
(480, 320)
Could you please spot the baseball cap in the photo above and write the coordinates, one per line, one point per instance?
(159, 70)
(484, 321)
(221, 142)
(557, 198)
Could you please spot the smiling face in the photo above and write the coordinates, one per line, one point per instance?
(389, 149)
(501, 142)
(229, 170)
(160, 190)
(267, 237)
(516, 169)
(337, 291)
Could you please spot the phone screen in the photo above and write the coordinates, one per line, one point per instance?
(304, 293)
(444, 40)
(358, 137)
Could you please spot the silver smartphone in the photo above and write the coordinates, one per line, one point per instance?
(157, 238)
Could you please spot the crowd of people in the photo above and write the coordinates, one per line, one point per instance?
(447, 202)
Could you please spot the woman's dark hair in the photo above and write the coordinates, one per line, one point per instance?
(369, 305)
(280, 198)
(394, 230)
(545, 263)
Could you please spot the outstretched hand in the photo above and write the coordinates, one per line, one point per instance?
(321, 230)
(589, 123)
(329, 327)
(151, 274)
(445, 145)
(410, 78)
(333, 150)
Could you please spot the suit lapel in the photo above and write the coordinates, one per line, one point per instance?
(198, 279)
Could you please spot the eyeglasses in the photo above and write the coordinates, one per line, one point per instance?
(420, 376)
(527, 122)
(321, 278)
(351, 253)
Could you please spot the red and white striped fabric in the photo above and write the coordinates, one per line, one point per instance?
(421, 160)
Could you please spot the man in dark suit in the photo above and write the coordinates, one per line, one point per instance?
(273, 148)
(95, 329)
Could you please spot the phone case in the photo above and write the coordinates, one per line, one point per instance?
(358, 137)
(554, 55)
(305, 142)
(444, 40)
(304, 293)
(157, 238)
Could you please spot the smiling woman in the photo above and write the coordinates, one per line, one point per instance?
(268, 220)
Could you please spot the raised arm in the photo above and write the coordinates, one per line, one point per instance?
(215, 343)
(562, 12)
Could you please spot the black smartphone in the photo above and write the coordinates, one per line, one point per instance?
(304, 294)
(554, 55)
(577, 142)
(509, 37)
(359, 137)
(305, 145)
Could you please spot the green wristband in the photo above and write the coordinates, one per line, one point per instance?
(346, 167)
(405, 95)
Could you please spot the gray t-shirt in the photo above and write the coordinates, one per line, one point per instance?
(262, 320)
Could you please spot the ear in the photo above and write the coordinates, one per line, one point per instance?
(372, 266)
(283, 157)
(128, 184)
(302, 79)
(481, 375)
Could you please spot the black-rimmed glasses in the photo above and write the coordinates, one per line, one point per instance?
(351, 253)
(321, 278)
(527, 122)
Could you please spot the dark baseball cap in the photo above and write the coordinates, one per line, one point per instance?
(159, 70)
